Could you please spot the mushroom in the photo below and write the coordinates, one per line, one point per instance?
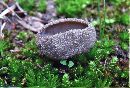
(64, 38)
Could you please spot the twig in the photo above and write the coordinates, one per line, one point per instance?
(9, 9)
(12, 10)
(18, 18)
(3, 26)
(1, 29)
(21, 10)
(27, 26)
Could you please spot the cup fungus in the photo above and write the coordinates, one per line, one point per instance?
(64, 38)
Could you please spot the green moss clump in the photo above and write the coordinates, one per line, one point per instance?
(71, 8)
(30, 5)
(41, 6)
(124, 19)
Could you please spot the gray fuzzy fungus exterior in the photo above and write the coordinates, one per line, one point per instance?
(66, 44)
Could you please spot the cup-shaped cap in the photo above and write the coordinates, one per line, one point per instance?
(65, 38)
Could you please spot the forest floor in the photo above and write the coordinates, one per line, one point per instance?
(105, 65)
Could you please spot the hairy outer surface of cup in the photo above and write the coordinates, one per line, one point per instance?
(65, 38)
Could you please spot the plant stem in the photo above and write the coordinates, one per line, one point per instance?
(104, 24)
(99, 17)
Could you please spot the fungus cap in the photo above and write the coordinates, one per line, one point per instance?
(64, 38)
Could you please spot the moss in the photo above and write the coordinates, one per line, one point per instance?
(124, 19)
(30, 5)
(102, 66)
(41, 6)
(71, 8)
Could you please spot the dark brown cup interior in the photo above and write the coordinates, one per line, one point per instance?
(63, 27)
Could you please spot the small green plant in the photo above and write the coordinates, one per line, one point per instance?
(110, 21)
(30, 49)
(41, 6)
(124, 19)
(2, 82)
(82, 82)
(77, 71)
(65, 81)
(22, 35)
(124, 43)
(125, 74)
(69, 64)
(114, 60)
(124, 46)
(3, 46)
(124, 36)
